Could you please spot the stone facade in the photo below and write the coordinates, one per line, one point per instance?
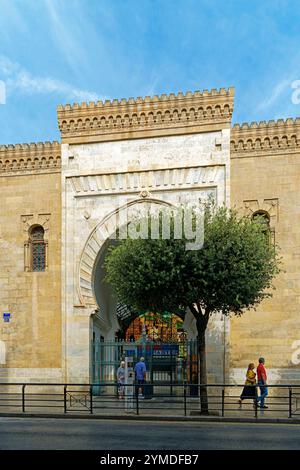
(115, 158)
(265, 175)
(30, 182)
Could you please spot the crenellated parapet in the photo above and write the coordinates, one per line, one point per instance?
(269, 137)
(30, 158)
(146, 117)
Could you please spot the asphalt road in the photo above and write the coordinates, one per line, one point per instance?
(76, 434)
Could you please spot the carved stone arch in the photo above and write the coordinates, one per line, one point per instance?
(95, 242)
(267, 143)
(150, 118)
(217, 110)
(258, 143)
(167, 116)
(268, 207)
(134, 119)
(241, 144)
(275, 142)
(284, 141)
(119, 120)
(183, 114)
(95, 122)
(226, 111)
(232, 145)
(208, 111)
(294, 140)
(200, 113)
(158, 117)
(175, 116)
(142, 119)
(192, 114)
(249, 144)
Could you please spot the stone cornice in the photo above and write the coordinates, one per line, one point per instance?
(146, 117)
(265, 138)
(38, 157)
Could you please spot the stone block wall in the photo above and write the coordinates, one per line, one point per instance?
(265, 175)
(29, 196)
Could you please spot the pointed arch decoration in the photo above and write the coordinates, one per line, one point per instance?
(104, 230)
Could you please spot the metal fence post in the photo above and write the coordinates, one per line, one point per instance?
(256, 403)
(290, 402)
(223, 402)
(184, 398)
(23, 398)
(136, 391)
(65, 398)
(91, 400)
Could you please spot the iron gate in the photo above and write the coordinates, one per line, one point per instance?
(171, 363)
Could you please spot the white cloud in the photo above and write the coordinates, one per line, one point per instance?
(19, 79)
(67, 33)
(275, 94)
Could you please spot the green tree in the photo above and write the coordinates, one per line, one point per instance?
(231, 273)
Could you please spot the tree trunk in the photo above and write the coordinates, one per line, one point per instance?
(201, 316)
(203, 373)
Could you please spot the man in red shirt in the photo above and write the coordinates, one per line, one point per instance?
(262, 382)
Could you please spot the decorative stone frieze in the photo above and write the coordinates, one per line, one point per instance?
(146, 117)
(272, 137)
(141, 181)
(30, 158)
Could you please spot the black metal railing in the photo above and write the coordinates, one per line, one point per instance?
(105, 399)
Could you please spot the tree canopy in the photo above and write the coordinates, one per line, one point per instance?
(233, 270)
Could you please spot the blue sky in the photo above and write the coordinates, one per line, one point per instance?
(65, 51)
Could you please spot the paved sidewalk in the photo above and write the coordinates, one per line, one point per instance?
(156, 408)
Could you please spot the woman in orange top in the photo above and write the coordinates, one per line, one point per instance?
(249, 390)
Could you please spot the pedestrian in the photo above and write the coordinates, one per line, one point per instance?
(121, 380)
(262, 382)
(140, 376)
(249, 390)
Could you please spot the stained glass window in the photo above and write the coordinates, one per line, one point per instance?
(155, 327)
(38, 249)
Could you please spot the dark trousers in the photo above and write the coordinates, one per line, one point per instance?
(139, 385)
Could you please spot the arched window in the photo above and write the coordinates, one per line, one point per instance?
(37, 249)
(263, 218)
